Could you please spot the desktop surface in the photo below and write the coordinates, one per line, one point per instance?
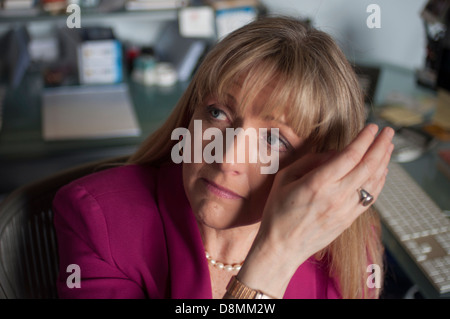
(415, 201)
(416, 232)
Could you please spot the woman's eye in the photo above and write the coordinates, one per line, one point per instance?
(217, 113)
(276, 143)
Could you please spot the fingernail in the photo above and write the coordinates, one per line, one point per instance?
(373, 128)
(389, 132)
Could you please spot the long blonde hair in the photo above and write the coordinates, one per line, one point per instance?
(318, 91)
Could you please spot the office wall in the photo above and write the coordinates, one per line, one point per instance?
(399, 41)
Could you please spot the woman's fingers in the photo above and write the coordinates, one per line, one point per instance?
(339, 165)
(303, 166)
(370, 171)
(362, 164)
(351, 156)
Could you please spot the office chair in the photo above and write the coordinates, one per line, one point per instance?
(28, 246)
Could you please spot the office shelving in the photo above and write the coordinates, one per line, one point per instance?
(92, 15)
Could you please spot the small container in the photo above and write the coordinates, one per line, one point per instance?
(144, 70)
(166, 74)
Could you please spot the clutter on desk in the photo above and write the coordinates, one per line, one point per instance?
(401, 116)
(87, 56)
(410, 141)
(403, 110)
(165, 68)
(183, 54)
(440, 122)
(420, 122)
(143, 66)
(100, 61)
(148, 71)
(442, 115)
(443, 163)
(93, 55)
(95, 52)
(88, 112)
(438, 132)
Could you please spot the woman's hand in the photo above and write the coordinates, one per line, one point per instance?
(312, 201)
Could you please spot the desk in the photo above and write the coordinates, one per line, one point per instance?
(25, 156)
(437, 186)
(423, 170)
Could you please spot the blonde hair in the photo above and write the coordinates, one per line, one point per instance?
(318, 91)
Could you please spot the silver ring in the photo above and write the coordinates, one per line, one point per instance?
(365, 198)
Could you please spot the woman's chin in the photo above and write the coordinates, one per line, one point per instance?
(221, 218)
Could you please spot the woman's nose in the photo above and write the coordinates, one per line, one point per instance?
(240, 150)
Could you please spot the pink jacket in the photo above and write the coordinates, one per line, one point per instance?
(132, 232)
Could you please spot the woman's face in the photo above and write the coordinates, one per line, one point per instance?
(231, 193)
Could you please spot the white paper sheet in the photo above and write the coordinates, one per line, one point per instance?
(88, 112)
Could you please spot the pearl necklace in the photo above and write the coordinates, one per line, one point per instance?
(219, 265)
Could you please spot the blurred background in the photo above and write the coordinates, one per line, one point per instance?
(85, 80)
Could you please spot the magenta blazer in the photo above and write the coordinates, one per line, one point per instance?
(132, 232)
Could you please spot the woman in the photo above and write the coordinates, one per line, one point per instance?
(157, 229)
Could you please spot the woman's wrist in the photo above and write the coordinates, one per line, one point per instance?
(238, 290)
(267, 269)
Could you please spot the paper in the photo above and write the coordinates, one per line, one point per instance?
(88, 112)
(401, 116)
(196, 22)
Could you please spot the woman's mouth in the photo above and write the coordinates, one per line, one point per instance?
(220, 191)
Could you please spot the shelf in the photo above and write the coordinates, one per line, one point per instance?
(154, 15)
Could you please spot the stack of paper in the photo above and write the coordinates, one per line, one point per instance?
(88, 113)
